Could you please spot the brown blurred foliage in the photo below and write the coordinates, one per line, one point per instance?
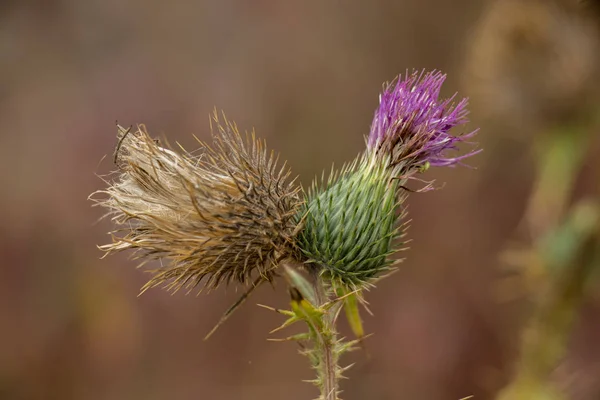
(306, 76)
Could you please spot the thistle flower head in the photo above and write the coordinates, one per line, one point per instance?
(351, 223)
(225, 215)
(411, 125)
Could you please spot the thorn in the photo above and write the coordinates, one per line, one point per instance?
(293, 338)
(287, 323)
(366, 307)
(120, 142)
(346, 368)
(278, 310)
(235, 306)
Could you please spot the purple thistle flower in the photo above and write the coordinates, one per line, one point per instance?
(412, 124)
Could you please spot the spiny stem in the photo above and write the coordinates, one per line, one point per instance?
(329, 366)
(324, 344)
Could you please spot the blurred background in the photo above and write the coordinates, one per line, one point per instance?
(306, 76)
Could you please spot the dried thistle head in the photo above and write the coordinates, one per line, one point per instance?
(227, 214)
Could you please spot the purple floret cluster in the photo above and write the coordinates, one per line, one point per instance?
(412, 123)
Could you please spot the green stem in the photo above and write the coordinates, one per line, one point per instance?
(325, 344)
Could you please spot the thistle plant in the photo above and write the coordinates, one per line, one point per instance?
(231, 214)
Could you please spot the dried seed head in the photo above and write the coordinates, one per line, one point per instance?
(227, 214)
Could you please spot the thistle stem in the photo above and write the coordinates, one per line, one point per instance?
(330, 384)
(325, 344)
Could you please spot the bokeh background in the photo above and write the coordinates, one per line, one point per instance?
(305, 75)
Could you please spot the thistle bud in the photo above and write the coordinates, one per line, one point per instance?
(350, 222)
(225, 215)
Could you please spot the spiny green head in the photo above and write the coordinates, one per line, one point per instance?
(351, 222)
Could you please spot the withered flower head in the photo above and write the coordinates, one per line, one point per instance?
(224, 215)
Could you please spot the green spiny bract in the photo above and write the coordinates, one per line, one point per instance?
(351, 222)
